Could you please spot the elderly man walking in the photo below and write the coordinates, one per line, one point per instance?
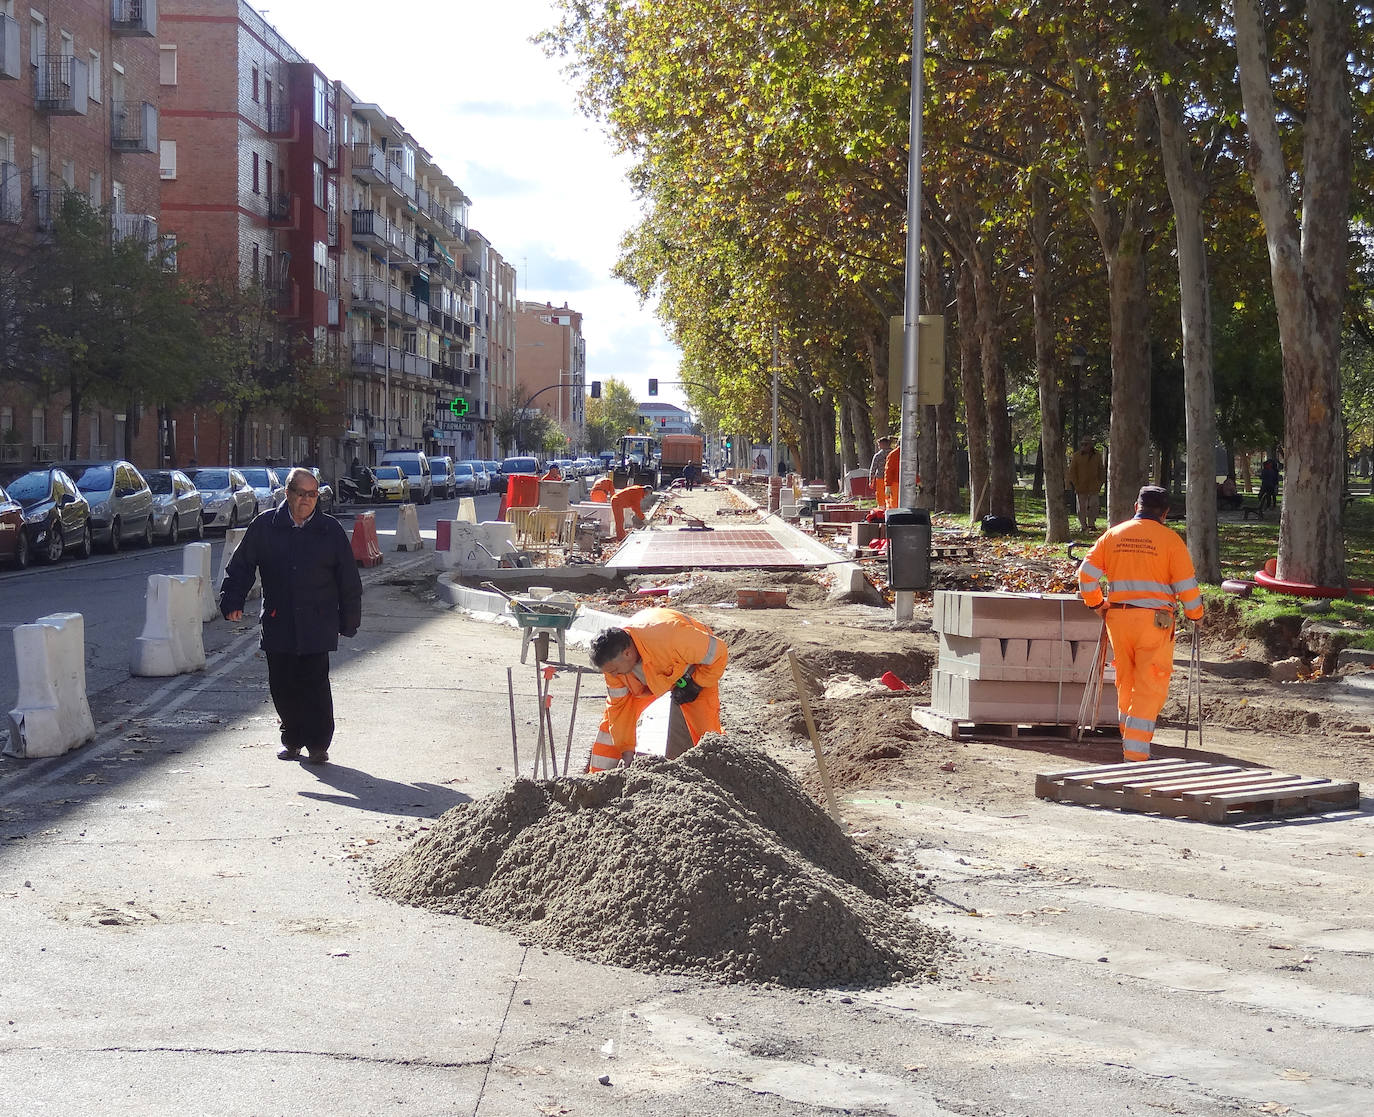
(311, 594)
(1087, 475)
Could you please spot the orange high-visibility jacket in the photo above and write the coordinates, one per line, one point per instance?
(602, 491)
(669, 643)
(1146, 564)
(892, 473)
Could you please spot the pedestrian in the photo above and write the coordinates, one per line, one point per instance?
(689, 475)
(1087, 475)
(1146, 567)
(876, 476)
(311, 594)
(656, 651)
(1269, 484)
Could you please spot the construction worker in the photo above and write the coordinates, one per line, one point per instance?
(553, 474)
(892, 475)
(629, 499)
(1147, 568)
(1087, 475)
(656, 651)
(876, 476)
(602, 491)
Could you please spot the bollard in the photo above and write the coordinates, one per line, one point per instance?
(171, 643)
(232, 538)
(366, 550)
(408, 529)
(467, 510)
(51, 715)
(196, 559)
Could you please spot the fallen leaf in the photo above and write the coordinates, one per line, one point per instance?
(1295, 1075)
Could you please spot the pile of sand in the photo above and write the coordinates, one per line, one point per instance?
(717, 863)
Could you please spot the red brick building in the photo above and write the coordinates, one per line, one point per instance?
(552, 354)
(78, 112)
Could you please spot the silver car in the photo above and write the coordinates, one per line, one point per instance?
(121, 504)
(267, 484)
(229, 498)
(176, 505)
(479, 470)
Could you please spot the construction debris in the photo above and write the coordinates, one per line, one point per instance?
(717, 864)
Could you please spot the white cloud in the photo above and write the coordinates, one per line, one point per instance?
(501, 119)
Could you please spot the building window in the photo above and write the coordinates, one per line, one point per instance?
(321, 101)
(257, 182)
(319, 185)
(94, 82)
(167, 158)
(255, 263)
(167, 65)
(321, 269)
(38, 38)
(255, 83)
(68, 174)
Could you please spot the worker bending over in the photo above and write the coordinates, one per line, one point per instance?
(602, 491)
(1147, 568)
(627, 500)
(657, 650)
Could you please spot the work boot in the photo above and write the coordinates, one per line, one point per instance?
(317, 756)
(288, 753)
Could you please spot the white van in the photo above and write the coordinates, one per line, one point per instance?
(416, 468)
(441, 473)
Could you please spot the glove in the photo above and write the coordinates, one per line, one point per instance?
(685, 690)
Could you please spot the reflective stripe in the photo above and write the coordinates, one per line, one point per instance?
(1134, 755)
(1183, 587)
(1138, 723)
(617, 691)
(1089, 571)
(1142, 587)
(712, 647)
(603, 737)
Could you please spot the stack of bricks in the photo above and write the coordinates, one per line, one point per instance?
(1016, 658)
(838, 515)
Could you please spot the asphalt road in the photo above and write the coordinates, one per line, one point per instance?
(108, 591)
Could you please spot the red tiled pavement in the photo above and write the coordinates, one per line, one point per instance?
(722, 548)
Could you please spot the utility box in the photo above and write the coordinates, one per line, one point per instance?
(908, 548)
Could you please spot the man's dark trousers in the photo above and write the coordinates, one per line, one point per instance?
(301, 694)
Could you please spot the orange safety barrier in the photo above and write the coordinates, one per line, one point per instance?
(522, 491)
(366, 550)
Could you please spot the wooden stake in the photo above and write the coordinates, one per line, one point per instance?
(514, 748)
(572, 721)
(815, 737)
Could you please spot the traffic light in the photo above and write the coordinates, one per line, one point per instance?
(653, 385)
(596, 389)
(662, 420)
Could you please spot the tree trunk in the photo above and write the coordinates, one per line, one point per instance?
(1185, 190)
(830, 465)
(971, 383)
(878, 358)
(1308, 273)
(1128, 467)
(1052, 456)
(847, 451)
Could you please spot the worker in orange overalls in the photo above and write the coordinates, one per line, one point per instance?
(656, 651)
(892, 476)
(553, 474)
(1147, 568)
(629, 499)
(602, 491)
(877, 475)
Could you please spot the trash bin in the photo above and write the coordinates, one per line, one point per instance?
(908, 548)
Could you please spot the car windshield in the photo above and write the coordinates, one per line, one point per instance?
(258, 478)
(93, 478)
(519, 465)
(160, 482)
(208, 479)
(388, 473)
(31, 487)
(462, 471)
(412, 468)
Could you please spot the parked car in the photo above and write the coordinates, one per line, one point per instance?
(229, 498)
(121, 502)
(53, 516)
(518, 465)
(416, 468)
(466, 479)
(326, 502)
(268, 485)
(394, 484)
(177, 505)
(14, 540)
(441, 474)
(479, 470)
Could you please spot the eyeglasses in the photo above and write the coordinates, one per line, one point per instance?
(305, 492)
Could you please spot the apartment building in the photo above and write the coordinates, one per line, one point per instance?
(500, 322)
(78, 113)
(552, 360)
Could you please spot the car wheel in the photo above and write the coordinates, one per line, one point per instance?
(87, 546)
(55, 543)
(115, 541)
(21, 549)
(174, 529)
(147, 540)
(199, 531)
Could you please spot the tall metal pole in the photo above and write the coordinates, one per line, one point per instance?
(775, 398)
(386, 343)
(905, 605)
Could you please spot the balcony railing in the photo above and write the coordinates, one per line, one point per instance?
(371, 228)
(46, 203)
(368, 290)
(134, 17)
(369, 163)
(9, 47)
(331, 227)
(133, 126)
(368, 354)
(280, 209)
(280, 120)
(141, 227)
(11, 194)
(401, 182)
(62, 85)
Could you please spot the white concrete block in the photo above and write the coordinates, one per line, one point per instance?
(467, 510)
(468, 549)
(1015, 702)
(1061, 616)
(171, 642)
(232, 538)
(588, 510)
(51, 714)
(555, 495)
(408, 529)
(197, 559)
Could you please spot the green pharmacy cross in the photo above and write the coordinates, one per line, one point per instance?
(459, 406)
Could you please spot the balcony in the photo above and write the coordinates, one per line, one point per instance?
(134, 17)
(371, 229)
(369, 291)
(46, 203)
(11, 195)
(401, 182)
(281, 210)
(9, 48)
(369, 164)
(61, 86)
(140, 227)
(331, 227)
(335, 311)
(280, 121)
(367, 355)
(133, 127)
(285, 298)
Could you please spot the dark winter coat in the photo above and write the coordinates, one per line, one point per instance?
(311, 591)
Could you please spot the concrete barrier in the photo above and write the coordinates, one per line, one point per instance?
(467, 510)
(554, 495)
(366, 550)
(51, 715)
(232, 538)
(197, 560)
(408, 529)
(476, 546)
(171, 643)
(601, 513)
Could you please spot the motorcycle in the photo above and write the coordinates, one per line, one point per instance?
(359, 488)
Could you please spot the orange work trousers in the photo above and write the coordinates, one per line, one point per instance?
(1144, 655)
(880, 492)
(702, 716)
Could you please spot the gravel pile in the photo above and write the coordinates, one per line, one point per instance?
(716, 864)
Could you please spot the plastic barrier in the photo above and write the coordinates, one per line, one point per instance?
(232, 538)
(522, 491)
(366, 550)
(197, 560)
(408, 529)
(171, 642)
(51, 715)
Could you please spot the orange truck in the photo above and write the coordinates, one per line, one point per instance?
(676, 452)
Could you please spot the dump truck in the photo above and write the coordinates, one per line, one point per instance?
(677, 451)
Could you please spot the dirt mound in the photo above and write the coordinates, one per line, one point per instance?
(717, 863)
(711, 589)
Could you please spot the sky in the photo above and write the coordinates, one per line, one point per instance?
(501, 120)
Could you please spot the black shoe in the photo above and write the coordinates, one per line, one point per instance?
(289, 753)
(317, 757)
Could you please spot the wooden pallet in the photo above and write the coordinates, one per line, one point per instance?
(1197, 790)
(953, 550)
(960, 729)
